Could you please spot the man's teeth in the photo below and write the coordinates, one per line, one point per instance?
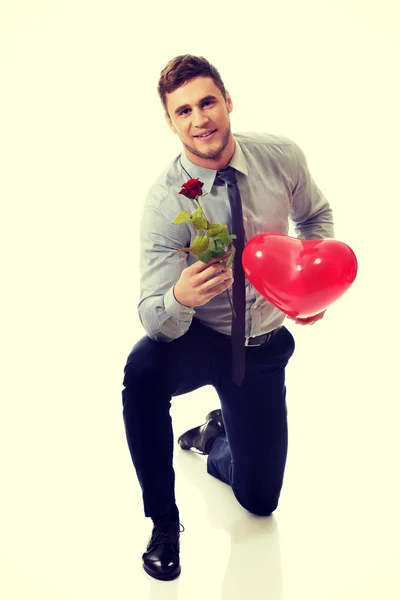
(205, 134)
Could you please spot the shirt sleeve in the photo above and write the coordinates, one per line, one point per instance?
(311, 213)
(162, 316)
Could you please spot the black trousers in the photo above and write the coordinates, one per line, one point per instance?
(251, 456)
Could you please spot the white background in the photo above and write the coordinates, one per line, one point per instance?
(82, 137)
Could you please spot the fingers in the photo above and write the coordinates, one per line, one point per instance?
(200, 266)
(210, 278)
(215, 290)
(210, 272)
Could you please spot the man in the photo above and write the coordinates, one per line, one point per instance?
(187, 316)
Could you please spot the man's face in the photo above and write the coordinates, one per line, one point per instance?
(198, 107)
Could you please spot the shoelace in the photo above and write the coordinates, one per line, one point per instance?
(162, 534)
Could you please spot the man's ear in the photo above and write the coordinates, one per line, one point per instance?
(229, 103)
(170, 123)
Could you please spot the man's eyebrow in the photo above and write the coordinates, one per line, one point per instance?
(205, 99)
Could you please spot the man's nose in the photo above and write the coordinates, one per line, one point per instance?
(200, 120)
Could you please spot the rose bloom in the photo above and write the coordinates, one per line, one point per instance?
(192, 188)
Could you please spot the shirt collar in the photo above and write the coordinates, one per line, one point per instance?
(207, 176)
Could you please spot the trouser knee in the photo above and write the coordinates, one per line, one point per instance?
(144, 379)
(260, 504)
(143, 363)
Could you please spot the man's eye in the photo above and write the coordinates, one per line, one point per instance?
(186, 110)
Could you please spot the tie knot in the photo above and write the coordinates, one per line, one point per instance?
(227, 175)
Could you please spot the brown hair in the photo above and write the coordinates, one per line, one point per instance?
(183, 68)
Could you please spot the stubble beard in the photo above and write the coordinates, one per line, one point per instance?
(212, 153)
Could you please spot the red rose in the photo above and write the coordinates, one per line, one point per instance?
(192, 188)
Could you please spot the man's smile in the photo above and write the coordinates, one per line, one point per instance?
(206, 135)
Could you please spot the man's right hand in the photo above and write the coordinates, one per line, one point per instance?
(202, 281)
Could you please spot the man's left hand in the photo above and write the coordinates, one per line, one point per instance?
(308, 320)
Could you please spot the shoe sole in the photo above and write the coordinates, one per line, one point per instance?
(170, 577)
(185, 446)
(215, 414)
(206, 435)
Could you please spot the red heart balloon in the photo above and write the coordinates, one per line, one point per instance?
(300, 277)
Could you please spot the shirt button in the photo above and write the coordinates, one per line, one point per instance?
(254, 305)
(245, 218)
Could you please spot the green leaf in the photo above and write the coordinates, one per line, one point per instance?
(224, 237)
(231, 257)
(196, 213)
(215, 229)
(218, 252)
(199, 223)
(197, 219)
(182, 217)
(217, 243)
(200, 244)
(205, 256)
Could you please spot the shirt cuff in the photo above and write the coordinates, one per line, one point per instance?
(175, 308)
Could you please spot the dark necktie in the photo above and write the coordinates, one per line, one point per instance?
(238, 289)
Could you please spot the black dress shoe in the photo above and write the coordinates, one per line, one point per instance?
(161, 559)
(197, 438)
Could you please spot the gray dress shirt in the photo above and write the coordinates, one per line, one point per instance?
(275, 186)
